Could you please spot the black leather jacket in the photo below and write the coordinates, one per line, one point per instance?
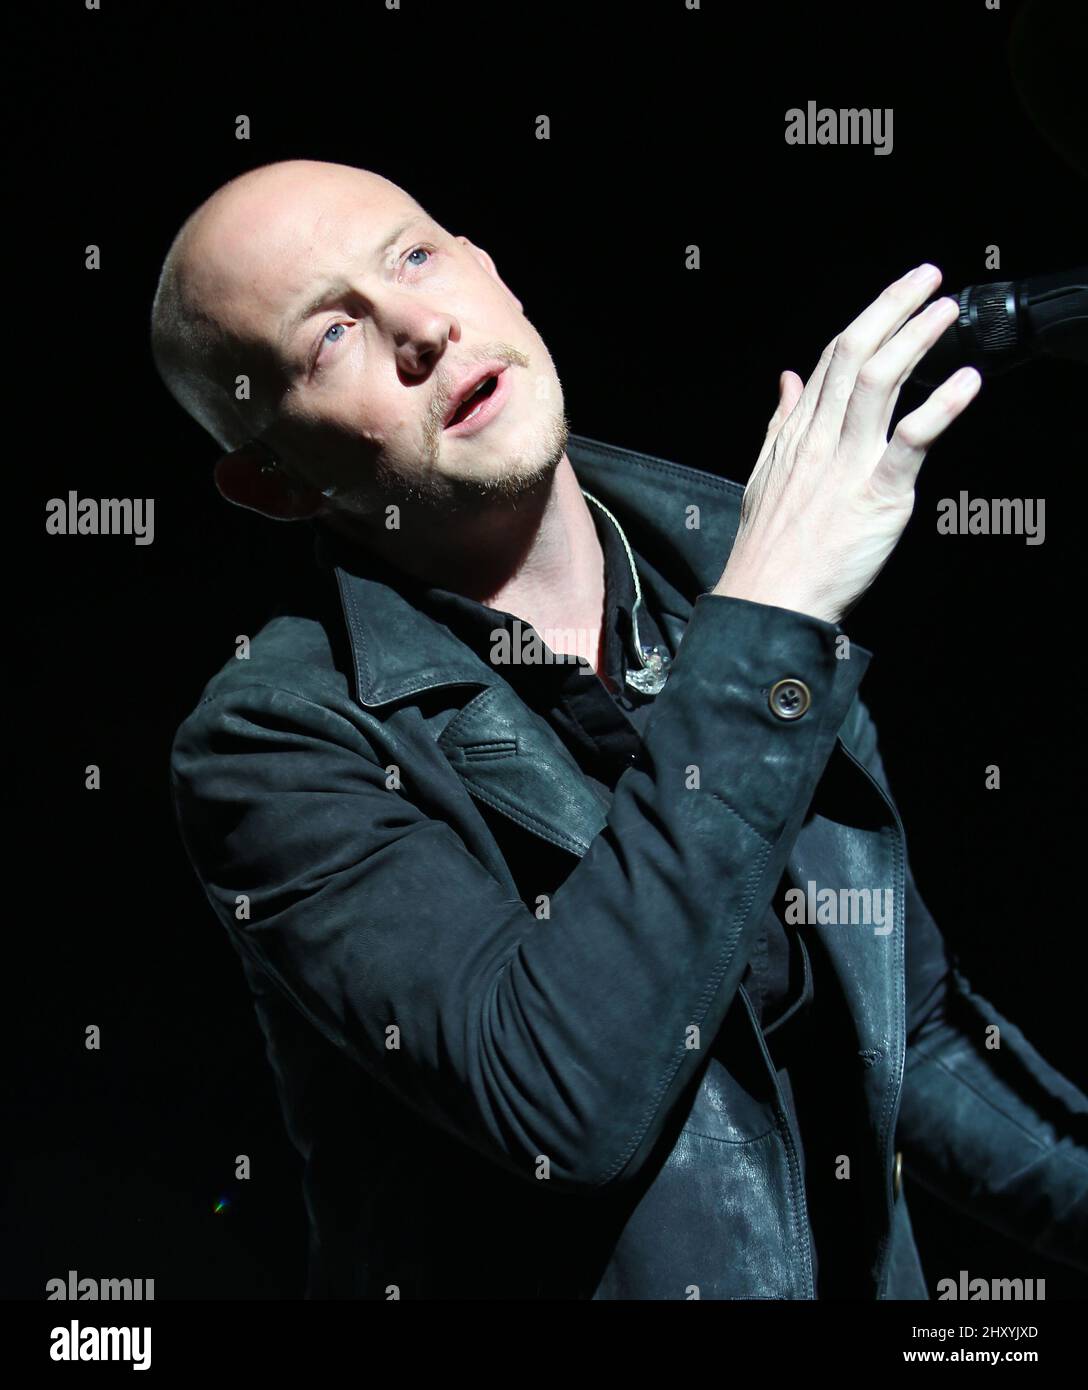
(495, 1103)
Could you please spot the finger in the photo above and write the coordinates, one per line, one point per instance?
(864, 336)
(790, 387)
(772, 423)
(811, 394)
(899, 464)
(877, 385)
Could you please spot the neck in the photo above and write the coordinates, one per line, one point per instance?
(537, 556)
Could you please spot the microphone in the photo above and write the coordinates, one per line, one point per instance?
(1008, 322)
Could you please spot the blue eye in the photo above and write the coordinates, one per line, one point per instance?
(341, 328)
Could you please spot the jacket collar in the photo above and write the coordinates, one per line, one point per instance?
(681, 520)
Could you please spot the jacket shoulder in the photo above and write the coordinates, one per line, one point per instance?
(293, 654)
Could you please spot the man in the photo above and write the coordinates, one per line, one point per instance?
(514, 877)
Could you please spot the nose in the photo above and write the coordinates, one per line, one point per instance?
(419, 332)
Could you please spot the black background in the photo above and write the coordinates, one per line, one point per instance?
(666, 130)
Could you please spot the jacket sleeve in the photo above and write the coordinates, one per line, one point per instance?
(564, 1039)
(986, 1124)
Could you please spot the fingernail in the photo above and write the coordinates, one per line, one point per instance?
(925, 271)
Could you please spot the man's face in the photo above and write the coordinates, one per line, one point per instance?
(358, 318)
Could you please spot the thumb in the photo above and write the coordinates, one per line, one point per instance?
(790, 387)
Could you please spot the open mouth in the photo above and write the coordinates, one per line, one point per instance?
(471, 403)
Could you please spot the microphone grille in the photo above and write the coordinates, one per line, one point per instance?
(995, 320)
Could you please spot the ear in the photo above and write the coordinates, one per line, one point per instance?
(239, 479)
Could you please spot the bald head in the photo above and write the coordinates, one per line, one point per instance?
(199, 341)
(317, 312)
